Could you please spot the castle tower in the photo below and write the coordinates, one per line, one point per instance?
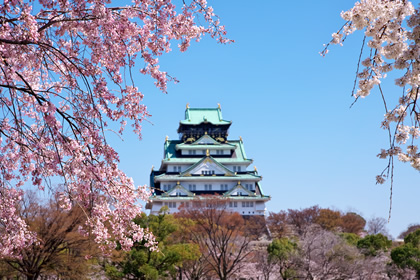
(205, 162)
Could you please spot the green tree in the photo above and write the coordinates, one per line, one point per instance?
(142, 263)
(408, 254)
(372, 244)
(281, 251)
(350, 238)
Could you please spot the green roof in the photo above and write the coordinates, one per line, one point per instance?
(195, 116)
(170, 148)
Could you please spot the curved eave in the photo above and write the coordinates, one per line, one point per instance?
(194, 160)
(163, 198)
(171, 178)
(189, 122)
(205, 147)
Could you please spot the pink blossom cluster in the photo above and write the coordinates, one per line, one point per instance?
(392, 33)
(63, 65)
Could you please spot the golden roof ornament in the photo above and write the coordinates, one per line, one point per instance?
(218, 105)
(177, 183)
(188, 106)
(152, 168)
(208, 153)
(255, 169)
(239, 182)
(166, 138)
(240, 138)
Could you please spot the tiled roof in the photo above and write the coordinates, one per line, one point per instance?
(195, 116)
(171, 154)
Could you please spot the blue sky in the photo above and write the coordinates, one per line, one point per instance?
(290, 105)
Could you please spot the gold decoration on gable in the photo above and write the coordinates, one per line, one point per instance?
(190, 140)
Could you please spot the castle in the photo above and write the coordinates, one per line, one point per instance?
(204, 162)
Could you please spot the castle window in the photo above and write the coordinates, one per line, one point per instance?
(247, 204)
(171, 204)
(207, 187)
(233, 204)
(191, 187)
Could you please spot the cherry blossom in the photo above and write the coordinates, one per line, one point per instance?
(391, 33)
(66, 72)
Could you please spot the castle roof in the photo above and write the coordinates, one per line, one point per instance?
(196, 116)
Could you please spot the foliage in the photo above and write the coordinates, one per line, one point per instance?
(142, 263)
(301, 219)
(373, 244)
(410, 229)
(408, 254)
(220, 235)
(66, 71)
(352, 223)
(256, 227)
(60, 249)
(329, 219)
(350, 238)
(281, 251)
(278, 225)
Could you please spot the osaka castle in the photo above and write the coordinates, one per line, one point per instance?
(205, 162)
